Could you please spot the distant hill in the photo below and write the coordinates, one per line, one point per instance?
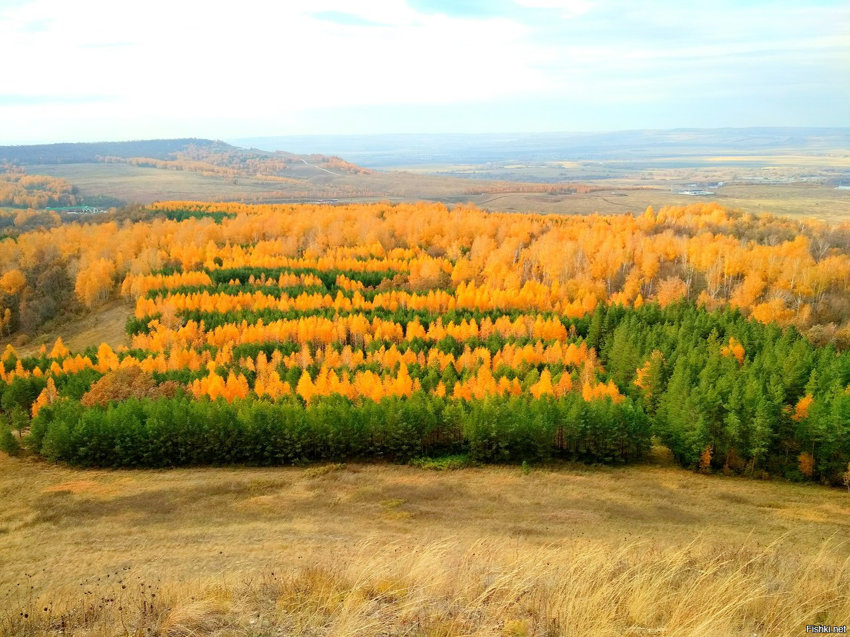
(392, 151)
(91, 152)
(205, 156)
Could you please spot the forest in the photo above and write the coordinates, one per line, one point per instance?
(282, 334)
(26, 191)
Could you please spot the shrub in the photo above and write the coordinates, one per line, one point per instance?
(124, 383)
(8, 442)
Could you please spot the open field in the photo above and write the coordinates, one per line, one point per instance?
(797, 186)
(614, 195)
(139, 184)
(802, 200)
(142, 184)
(793, 200)
(383, 549)
(676, 169)
(783, 171)
(682, 146)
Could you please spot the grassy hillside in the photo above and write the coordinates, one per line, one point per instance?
(382, 549)
(105, 324)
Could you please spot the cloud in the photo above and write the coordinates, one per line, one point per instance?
(462, 8)
(51, 98)
(259, 67)
(341, 17)
(567, 8)
(261, 59)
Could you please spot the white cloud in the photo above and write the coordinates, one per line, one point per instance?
(172, 67)
(568, 8)
(256, 58)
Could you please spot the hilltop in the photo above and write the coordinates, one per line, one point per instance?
(75, 153)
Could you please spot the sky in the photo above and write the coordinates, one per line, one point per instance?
(97, 70)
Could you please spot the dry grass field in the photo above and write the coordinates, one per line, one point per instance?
(800, 185)
(803, 200)
(619, 194)
(399, 550)
(138, 184)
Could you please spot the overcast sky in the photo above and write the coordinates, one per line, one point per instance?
(87, 70)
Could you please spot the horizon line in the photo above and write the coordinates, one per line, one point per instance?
(443, 134)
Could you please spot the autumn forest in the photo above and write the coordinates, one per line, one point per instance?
(281, 334)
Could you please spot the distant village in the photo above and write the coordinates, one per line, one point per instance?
(79, 210)
(701, 190)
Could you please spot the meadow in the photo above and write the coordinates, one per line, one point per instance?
(377, 549)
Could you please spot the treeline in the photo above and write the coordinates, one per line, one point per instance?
(218, 159)
(328, 277)
(37, 293)
(401, 316)
(182, 215)
(179, 431)
(20, 190)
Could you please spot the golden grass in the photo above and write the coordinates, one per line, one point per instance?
(105, 324)
(395, 550)
(837, 158)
